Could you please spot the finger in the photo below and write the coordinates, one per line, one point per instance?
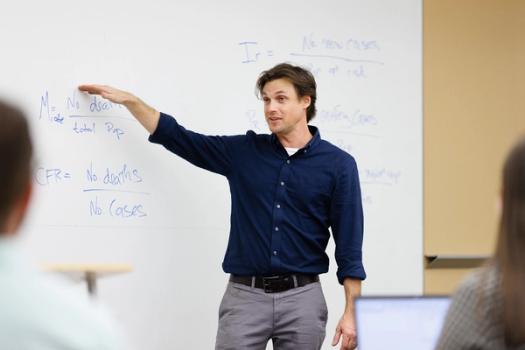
(353, 343)
(106, 95)
(337, 335)
(345, 342)
(91, 88)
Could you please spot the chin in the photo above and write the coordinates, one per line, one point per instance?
(275, 130)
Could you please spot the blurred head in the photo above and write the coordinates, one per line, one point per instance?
(512, 224)
(15, 168)
(300, 79)
(510, 251)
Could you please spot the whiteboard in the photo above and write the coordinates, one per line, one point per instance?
(104, 194)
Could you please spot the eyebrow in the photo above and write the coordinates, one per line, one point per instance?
(276, 93)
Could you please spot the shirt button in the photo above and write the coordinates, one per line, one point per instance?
(276, 228)
(288, 161)
(275, 252)
(282, 183)
(305, 151)
(278, 206)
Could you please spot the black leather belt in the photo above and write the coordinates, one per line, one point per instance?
(275, 284)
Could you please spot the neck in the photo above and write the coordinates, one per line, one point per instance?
(297, 138)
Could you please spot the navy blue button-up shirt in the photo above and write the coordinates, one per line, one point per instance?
(281, 206)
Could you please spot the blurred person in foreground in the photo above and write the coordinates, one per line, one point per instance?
(488, 309)
(36, 311)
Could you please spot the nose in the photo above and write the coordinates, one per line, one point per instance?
(271, 106)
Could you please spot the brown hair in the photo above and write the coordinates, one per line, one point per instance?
(302, 80)
(510, 249)
(15, 158)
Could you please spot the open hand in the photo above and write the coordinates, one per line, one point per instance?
(108, 92)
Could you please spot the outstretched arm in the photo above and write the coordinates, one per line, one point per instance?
(145, 114)
(208, 152)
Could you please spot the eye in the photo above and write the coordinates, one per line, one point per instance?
(266, 99)
(281, 98)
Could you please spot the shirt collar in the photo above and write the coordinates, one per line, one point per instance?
(314, 141)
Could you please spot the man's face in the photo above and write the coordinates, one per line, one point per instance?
(284, 110)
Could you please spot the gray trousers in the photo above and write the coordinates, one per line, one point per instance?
(294, 319)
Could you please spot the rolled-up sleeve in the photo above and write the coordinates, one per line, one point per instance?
(346, 220)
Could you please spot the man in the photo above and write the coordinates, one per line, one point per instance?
(287, 189)
(36, 312)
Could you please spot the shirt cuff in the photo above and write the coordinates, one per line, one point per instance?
(356, 272)
(163, 130)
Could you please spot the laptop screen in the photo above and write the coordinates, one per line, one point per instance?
(409, 323)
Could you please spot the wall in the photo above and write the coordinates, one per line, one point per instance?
(473, 56)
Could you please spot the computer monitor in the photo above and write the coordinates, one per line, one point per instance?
(408, 323)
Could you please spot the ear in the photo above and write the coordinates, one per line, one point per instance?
(306, 101)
